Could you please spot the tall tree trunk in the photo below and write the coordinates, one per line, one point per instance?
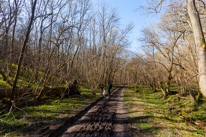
(39, 53)
(5, 47)
(167, 88)
(163, 90)
(192, 97)
(164, 93)
(22, 51)
(200, 43)
(13, 34)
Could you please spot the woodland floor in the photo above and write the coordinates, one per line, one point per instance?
(156, 117)
(104, 117)
(126, 113)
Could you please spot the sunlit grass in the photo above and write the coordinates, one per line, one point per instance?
(158, 117)
(26, 78)
(51, 111)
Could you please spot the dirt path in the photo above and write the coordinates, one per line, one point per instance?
(107, 118)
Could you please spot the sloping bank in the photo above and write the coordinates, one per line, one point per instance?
(44, 118)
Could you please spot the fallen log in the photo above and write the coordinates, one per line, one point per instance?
(6, 92)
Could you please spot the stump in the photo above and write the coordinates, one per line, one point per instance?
(73, 88)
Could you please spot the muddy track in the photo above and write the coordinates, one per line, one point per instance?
(106, 118)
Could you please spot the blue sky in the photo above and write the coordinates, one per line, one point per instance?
(127, 11)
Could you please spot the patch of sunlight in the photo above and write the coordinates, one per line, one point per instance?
(133, 114)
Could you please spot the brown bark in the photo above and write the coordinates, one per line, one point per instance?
(192, 97)
(13, 33)
(167, 88)
(22, 51)
(163, 91)
(39, 97)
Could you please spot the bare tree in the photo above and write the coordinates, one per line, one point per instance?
(33, 6)
(194, 22)
(200, 43)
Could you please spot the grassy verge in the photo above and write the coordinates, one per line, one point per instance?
(157, 117)
(27, 79)
(33, 118)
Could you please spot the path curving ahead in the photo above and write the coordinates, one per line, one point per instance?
(107, 118)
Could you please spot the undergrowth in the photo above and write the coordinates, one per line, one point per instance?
(155, 116)
(26, 78)
(53, 110)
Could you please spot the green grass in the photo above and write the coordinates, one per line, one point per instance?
(51, 111)
(158, 117)
(3, 83)
(26, 76)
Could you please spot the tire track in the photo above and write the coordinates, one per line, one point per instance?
(104, 119)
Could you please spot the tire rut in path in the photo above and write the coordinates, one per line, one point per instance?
(107, 118)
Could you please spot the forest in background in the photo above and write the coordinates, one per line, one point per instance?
(174, 54)
(54, 43)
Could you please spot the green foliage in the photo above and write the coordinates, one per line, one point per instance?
(173, 88)
(173, 131)
(3, 83)
(200, 133)
(56, 102)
